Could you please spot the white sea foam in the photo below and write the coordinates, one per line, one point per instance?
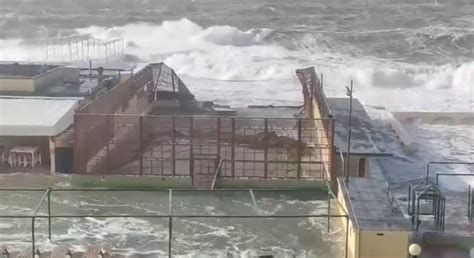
(227, 53)
(224, 58)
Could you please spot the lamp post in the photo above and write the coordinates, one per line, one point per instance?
(414, 250)
(349, 93)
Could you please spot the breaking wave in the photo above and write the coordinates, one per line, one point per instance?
(225, 53)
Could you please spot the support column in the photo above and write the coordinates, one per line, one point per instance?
(52, 155)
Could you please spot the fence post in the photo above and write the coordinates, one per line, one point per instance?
(232, 147)
(469, 204)
(108, 144)
(49, 214)
(75, 149)
(329, 210)
(299, 149)
(191, 155)
(265, 153)
(33, 245)
(140, 151)
(332, 155)
(218, 136)
(173, 147)
(170, 223)
(170, 235)
(409, 200)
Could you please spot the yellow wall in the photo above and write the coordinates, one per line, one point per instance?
(366, 243)
(353, 236)
(383, 244)
(17, 85)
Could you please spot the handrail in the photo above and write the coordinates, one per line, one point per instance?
(46, 199)
(428, 165)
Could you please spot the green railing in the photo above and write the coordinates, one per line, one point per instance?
(46, 200)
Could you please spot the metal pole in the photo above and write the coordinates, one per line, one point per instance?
(254, 201)
(232, 121)
(409, 199)
(77, 50)
(140, 151)
(170, 222)
(332, 171)
(170, 235)
(417, 219)
(349, 93)
(329, 210)
(70, 51)
(49, 215)
(265, 154)
(299, 150)
(107, 158)
(47, 46)
(191, 155)
(173, 140)
(90, 69)
(469, 204)
(33, 247)
(219, 136)
(427, 170)
(322, 80)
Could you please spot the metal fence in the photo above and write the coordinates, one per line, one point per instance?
(50, 216)
(180, 146)
(470, 201)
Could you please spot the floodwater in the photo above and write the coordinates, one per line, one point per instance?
(192, 237)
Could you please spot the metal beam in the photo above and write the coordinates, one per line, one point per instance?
(254, 201)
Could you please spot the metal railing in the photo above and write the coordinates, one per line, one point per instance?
(430, 164)
(470, 197)
(46, 198)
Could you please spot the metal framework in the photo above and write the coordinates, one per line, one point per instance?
(470, 197)
(81, 48)
(433, 163)
(46, 199)
(428, 192)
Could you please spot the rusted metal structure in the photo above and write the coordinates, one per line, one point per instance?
(118, 134)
